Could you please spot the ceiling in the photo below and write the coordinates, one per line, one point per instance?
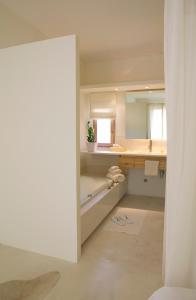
(107, 29)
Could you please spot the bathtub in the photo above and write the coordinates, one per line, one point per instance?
(90, 186)
(98, 196)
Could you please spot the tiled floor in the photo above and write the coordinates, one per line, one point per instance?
(113, 265)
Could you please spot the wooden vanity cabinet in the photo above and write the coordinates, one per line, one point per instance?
(126, 162)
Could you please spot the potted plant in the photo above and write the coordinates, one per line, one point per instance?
(91, 139)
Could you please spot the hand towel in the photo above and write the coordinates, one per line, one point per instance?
(151, 168)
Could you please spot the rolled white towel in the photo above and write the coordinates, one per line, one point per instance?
(110, 176)
(113, 168)
(116, 171)
(119, 178)
(109, 182)
(116, 177)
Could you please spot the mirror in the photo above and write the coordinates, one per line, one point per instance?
(145, 115)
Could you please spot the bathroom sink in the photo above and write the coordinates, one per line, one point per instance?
(118, 149)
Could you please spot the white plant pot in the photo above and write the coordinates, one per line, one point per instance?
(91, 147)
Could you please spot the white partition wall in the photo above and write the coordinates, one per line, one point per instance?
(39, 162)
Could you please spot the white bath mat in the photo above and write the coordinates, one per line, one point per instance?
(125, 220)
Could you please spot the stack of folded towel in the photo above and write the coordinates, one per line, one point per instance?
(115, 174)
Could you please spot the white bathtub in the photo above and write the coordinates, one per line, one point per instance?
(98, 198)
(90, 186)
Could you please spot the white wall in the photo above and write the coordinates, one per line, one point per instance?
(99, 164)
(193, 275)
(137, 184)
(14, 30)
(39, 149)
(84, 118)
(136, 68)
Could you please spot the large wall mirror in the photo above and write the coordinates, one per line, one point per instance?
(145, 115)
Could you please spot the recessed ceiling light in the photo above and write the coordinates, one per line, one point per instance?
(116, 89)
(146, 87)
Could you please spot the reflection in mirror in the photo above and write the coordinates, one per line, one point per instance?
(145, 115)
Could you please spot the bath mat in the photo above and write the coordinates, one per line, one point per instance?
(35, 289)
(125, 220)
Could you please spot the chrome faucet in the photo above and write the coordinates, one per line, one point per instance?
(150, 145)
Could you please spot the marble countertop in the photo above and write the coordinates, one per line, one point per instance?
(129, 153)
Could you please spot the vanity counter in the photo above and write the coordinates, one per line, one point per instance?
(129, 153)
(134, 159)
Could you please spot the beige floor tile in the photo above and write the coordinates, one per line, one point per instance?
(113, 265)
